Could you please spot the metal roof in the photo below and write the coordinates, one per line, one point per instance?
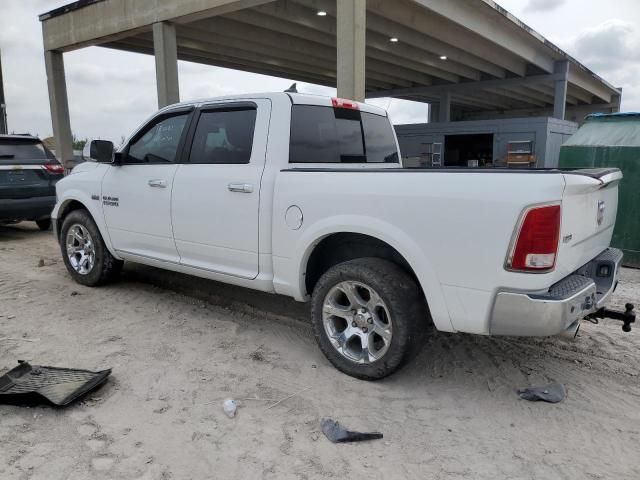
(484, 56)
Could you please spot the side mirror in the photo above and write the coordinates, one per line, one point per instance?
(101, 151)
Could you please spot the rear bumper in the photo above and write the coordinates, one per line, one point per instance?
(26, 208)
(553, 311)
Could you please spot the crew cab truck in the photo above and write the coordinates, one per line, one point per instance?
(306, 196)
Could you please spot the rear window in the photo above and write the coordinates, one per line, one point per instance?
(337, 135)
(12, 150)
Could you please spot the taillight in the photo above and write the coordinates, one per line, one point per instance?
(53, 168)
(536, 245)
(344, 103)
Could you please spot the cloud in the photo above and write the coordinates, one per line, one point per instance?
(538, 6)
(612, 50)
(611, 45)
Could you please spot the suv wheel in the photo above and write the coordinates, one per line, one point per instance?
(44, 224)
(369, 317)
(85, 255)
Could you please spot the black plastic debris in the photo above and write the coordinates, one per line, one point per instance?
(336, 434)
(552, 393)
(34, 384)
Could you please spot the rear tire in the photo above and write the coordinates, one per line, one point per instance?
(386, 328)
(92, 264)
(44, 224)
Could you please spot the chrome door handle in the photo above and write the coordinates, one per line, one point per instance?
(158, 183)
(240, 187)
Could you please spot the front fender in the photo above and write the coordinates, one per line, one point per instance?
(93, 206)
(390, 234)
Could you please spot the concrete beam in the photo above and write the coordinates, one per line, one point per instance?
(106, 21)
(518, 96)
(492, 24)
(420, 17)
(589, 81)
(217, 60)
(275, 44)
(561, 69)
(166, 55)
(469, 87)
(351, 27)
(59, 104)
(296, 21)
(413, 48)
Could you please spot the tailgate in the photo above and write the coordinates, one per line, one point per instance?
(589, 206)
(25, 181)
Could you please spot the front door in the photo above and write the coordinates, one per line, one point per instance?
(136, 195)
(216, 191)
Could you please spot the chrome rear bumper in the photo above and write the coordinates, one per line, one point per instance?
(568, 301)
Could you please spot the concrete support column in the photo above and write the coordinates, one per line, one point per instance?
(444, 115)
(434, 112)
(3, 108)
(54, 65)
(561, 74)
(616, 100)
(351, 27)
(166, 54)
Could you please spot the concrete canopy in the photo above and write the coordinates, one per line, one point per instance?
(471, 57)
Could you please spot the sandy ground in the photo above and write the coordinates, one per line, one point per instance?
(179, 346)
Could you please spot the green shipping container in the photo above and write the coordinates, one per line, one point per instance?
(613, 141)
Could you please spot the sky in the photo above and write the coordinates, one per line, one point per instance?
(112, 92)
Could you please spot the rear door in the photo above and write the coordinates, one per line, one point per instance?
(136, 195)
(216, 190)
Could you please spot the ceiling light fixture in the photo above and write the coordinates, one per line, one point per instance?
(393, 39)
(322, 13)
(443, 57)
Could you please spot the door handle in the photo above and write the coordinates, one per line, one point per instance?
(240, 187)
(158, 183)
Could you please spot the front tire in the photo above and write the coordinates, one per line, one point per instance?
(84, 252)
(369, 317)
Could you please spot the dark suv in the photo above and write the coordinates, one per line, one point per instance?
(28, 174)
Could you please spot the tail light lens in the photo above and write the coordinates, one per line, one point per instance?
(536, 245)
(53, 168)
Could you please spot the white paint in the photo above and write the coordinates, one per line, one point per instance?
(453, 228)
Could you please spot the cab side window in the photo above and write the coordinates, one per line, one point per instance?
(158, 143)
(224, 136)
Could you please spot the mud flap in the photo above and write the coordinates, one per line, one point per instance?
(32, 384)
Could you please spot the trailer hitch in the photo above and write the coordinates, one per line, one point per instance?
(627, 317)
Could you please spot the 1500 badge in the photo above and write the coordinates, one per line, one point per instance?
(110, 201)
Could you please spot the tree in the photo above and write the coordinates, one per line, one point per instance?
(77, 143)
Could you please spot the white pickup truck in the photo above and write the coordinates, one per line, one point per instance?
(306, 196)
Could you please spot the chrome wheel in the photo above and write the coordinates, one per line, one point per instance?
(357, 322)
(81, 250)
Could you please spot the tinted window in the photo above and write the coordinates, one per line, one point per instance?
(159, 142)
(379, 139)
(12, 150)
(224, 136)
(328, 135)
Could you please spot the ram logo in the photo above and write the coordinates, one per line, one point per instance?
(600, 213)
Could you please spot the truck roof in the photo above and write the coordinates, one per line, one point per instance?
(295, 98)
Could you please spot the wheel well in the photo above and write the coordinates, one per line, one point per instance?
(342, 247)
(66, 209)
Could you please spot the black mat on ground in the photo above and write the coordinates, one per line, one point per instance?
(34, 384)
